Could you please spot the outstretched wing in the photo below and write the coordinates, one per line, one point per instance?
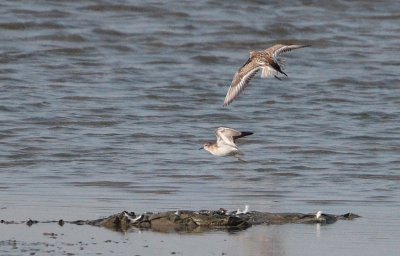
(277, 49)
(226, 136)
(241, 80)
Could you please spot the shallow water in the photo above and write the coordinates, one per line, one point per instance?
(103, 106)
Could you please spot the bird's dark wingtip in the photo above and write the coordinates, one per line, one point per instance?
(246, 134)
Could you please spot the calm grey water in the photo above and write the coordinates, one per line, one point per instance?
(104, 104)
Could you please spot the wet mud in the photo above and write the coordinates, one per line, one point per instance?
(197, 221)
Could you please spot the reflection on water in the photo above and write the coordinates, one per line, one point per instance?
(104, 105)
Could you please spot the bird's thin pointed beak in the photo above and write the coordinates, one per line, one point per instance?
(201, 148)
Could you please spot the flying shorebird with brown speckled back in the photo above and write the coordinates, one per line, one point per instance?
(267, 61)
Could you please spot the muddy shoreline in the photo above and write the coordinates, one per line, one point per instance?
(196, 221)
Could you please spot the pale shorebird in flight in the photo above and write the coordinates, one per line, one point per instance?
(267, 61)
(225, 144)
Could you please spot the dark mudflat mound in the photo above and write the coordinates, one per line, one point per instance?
(199, 221)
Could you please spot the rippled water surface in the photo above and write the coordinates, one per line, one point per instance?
(104, 104)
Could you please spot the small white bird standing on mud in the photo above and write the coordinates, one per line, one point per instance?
(225, 144)
(267, 61)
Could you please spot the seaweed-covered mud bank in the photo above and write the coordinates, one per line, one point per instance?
(198, 221)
